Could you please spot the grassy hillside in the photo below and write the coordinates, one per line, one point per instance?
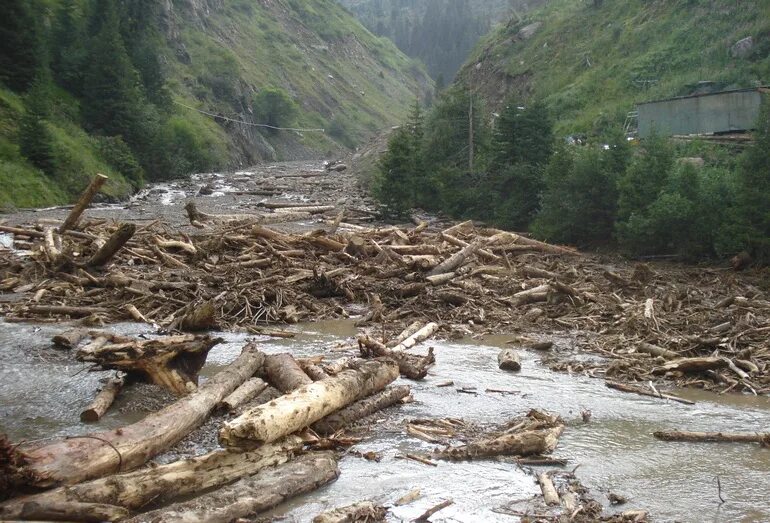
(591, 63)
(217, 57)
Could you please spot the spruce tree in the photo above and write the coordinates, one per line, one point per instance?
(393, 186)
(19, 44)
(35, 140)
(68, 51)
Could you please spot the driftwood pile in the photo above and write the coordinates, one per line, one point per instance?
(701, 327)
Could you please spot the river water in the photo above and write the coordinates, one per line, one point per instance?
(42, 391)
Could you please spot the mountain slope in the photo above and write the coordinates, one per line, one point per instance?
(441, 33)
(217, 57)
(592, 61)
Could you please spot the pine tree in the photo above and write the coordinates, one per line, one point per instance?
(68, 51)
(112, 96)
(393, 186)
(35, 140)
(19, 44)
(523, 135)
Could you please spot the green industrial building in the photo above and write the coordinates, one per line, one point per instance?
(713, 113)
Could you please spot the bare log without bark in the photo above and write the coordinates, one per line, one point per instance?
(361, 409)
(657, 351)
(714, 437)
(366, 511)
(550, 495)
(455, 261)
(251, 496)
(163, 483)
(172, 363)
(77, 459)
(410, 365)
(103, 401)
(284, 373)
(635, 389)
(83, 202)
(243, 394)
(508, 359)
(116, 242)
(691, 365)
(418, 337)
(305, 406)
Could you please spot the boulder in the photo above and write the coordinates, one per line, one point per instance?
(742, 48)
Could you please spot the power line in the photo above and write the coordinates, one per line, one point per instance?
(250, 123)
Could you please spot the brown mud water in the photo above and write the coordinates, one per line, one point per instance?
(263, 249)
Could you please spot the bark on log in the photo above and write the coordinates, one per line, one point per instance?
(305, 406)
(714, 437)
(243, 394)
(251, 496)
(690, 365)
(356, 247)
(410, 365)
(70, 511)
(164, 483)
(366, 511)
(200, 318)
(103, 401)
(116, 242)
(504, 237)
(550, 496)
(83, 202)
(172, 363)
(76, 459)
(314, 372)
(487, 255)
(284, 373)
(63, 310)
(360, 409)
(455, 261)
(508, 359)
(526, 443)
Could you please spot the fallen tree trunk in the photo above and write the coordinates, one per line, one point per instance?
(305, 406)
(508, 359)
(525, 443)
(654, 350)
(634, 389)
(243, 394)
(71, 338)
(172, 363)
(690, 365)
(70, 511)
(103, 401)
(164, 483)
(409, 365)
(284, 373)
(116, 242)
(418, 337)
(550, 496)
(360, 409)
(455, 261)
(199, 318)
(250, 496)
(75, 459)
(366, 511)
(83, 202)
(714, 437)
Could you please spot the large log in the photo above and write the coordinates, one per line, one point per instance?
(284, 373)
(116, 242)
(83, 202)
(103, 401)
(455, 261)
(361, 409)
(243, 394)
(714, 437)
(508, 359)
(305, 406)
(75, 459)
(410, 365)
(172, 363)
(70, 511)
(418, 337)
(164, 483)
(688, 365)
(251, 496)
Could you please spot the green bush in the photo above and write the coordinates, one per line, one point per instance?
(118, 155)
(274, 107)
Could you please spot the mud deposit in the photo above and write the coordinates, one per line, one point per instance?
(42, 391)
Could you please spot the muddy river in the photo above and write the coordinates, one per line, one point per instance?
(42, 391)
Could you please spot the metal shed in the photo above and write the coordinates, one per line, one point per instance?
(723, 112)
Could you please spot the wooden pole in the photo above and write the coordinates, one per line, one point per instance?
(83, 202)
(116, 242)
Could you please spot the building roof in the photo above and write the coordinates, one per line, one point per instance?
(762, 89)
